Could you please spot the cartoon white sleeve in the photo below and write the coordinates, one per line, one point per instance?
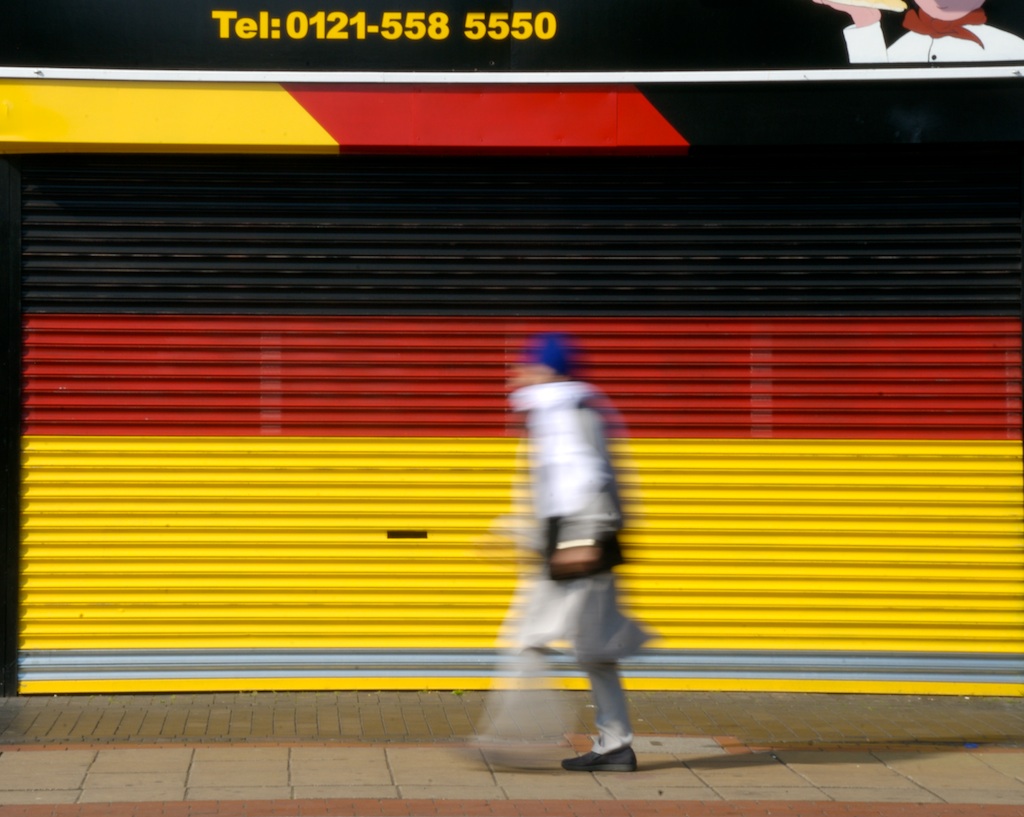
(866, 43)
(1002, 45)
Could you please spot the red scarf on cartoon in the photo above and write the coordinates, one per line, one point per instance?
(921, 23)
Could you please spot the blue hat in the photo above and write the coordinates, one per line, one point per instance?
(553, 350)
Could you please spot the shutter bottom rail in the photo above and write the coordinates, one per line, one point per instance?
(249, 665)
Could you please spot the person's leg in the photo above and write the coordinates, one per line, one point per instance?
(614, 730)
(612, 750)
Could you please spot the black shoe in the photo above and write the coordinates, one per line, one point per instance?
(621, 760)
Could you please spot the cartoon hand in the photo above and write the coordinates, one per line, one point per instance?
(860, 16)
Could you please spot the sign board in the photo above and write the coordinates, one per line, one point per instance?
(718, 71)
(494, 35)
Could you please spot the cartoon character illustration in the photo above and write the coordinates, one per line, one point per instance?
(938, 31)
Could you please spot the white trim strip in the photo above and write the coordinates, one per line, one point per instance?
(521, 78)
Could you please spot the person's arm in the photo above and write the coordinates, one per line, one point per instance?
(865, 41)
(606, 507)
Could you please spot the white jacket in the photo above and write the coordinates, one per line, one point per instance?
(568, 471)
(867, 44)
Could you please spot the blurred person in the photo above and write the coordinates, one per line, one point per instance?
(939, 31)
(576, 513)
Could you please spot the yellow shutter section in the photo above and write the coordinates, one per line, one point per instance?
(281, 542)
(819, 545)
(353, 556)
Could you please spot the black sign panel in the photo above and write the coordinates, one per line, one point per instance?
(498, 35)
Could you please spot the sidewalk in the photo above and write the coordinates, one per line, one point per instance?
(369, 754)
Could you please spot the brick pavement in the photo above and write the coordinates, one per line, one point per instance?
(754, 719)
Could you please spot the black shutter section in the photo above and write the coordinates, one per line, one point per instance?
(893, 233)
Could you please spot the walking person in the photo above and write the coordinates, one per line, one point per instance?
(577, 516)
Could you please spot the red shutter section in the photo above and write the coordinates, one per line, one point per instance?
(877, 378)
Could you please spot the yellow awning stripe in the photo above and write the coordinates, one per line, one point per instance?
(48, 115)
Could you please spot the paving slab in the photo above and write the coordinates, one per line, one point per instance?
(671, 782)
(340, 766)
(356, 792)
(434, 766)
(677, 746)
(654, 770)
(755, 770)
(1010, 764)
(232, 768)
(452, 793)
(553, 785)
(776, 793)
(140, 793)
(900, 794)
(949, 770)
(136, 781)
(256, 755)
(830, 770)
(978, 796)
(144, 760)
(44, 771)
(35, 797)
(243, 793)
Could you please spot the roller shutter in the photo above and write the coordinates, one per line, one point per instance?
(265, 432)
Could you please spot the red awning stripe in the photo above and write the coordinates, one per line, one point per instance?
(487, 117)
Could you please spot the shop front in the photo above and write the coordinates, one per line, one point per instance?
(266, 268)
